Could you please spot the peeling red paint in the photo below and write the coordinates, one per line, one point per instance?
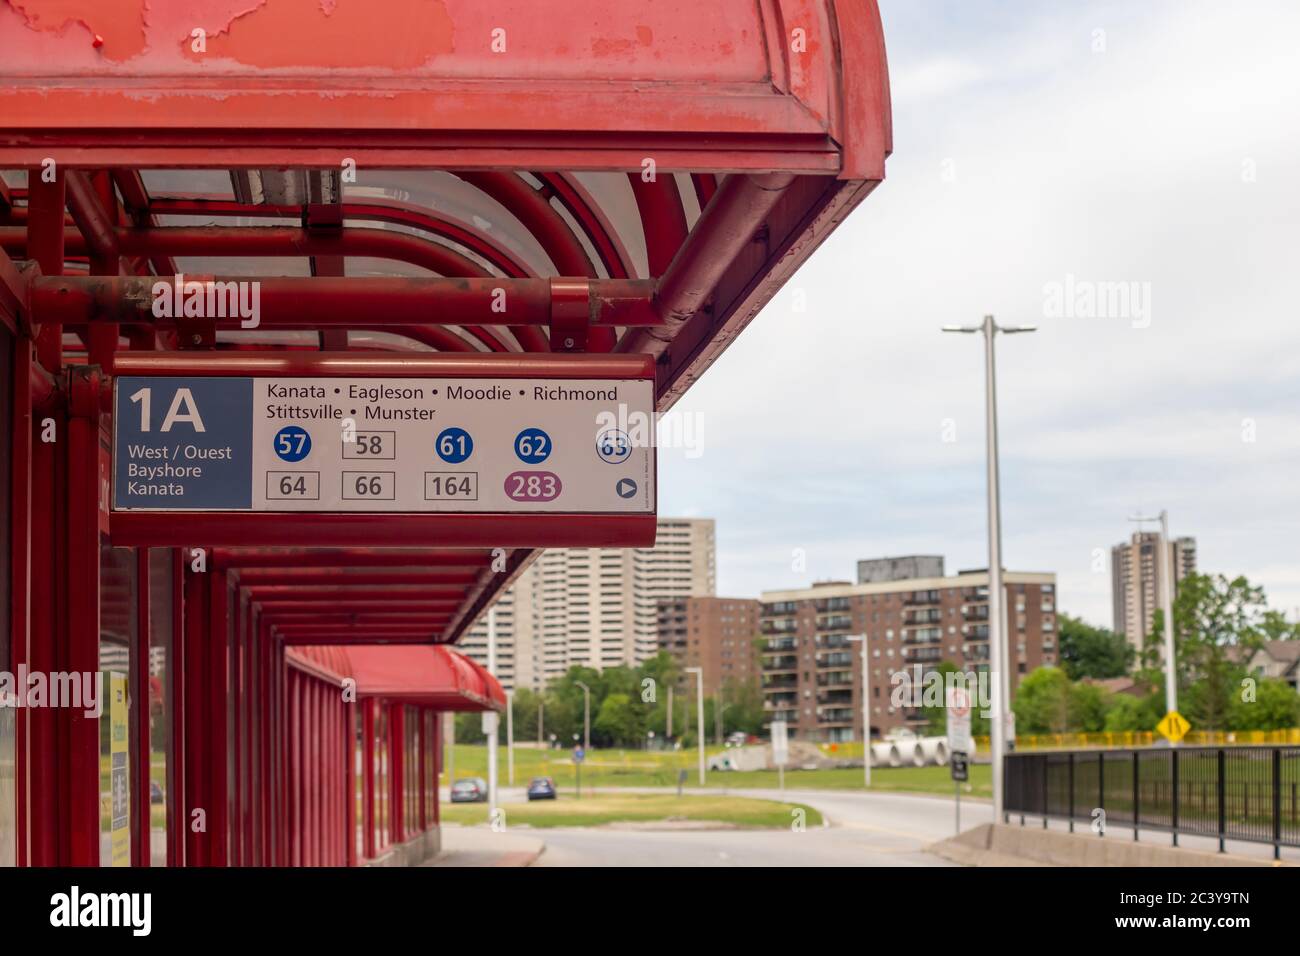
(116, 27)
(282, 34)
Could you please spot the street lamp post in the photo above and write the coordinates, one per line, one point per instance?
(1000, 685)
(866, 710)
(1164, 570)
(699, 713)
(586, 715)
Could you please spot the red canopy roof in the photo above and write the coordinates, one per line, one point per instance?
(434, 675)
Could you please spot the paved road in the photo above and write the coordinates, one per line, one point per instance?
(866, 830)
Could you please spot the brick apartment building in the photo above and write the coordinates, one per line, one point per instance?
(718, 633)
(812, 673)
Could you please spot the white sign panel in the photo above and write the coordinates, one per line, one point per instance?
(780, 743)
(958, 703)
(493, 445)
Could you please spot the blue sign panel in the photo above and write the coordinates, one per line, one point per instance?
(182, 443)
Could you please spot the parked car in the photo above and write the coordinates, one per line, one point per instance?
(469, 790)
(156, 792)
(541, 788)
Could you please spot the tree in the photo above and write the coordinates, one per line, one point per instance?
(1088, 651)
(618, 721)
(1218, 624)
(1264, 704)
(1042, 703)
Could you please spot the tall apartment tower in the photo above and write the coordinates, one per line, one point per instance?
(1135, 580)
(595, 607)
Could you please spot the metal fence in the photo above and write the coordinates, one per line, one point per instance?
(1232, 793)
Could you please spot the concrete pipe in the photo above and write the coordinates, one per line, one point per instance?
(912, 753)
(935, 750)
(886, 755)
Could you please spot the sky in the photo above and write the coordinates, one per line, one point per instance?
(1038, 148)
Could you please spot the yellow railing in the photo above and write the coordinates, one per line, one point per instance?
(1145, 738)
(1117, 740)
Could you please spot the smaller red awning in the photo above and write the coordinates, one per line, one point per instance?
(429, 674)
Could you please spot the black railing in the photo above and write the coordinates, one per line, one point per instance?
(1232, 793)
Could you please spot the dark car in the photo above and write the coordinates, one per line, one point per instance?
(156, 792)
(541, 788)
(469, 790)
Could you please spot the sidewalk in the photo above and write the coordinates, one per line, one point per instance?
(480, 846)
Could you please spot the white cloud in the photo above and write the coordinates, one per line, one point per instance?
(824, 427)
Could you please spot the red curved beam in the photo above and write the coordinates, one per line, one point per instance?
(548, 227)
(663, 220)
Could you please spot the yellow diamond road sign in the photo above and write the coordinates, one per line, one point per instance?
(1174, 726)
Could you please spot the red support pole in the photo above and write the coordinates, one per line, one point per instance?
(397, 760)
(421, 744)
(177, 818)
(218, 678)
(295, 764)
(45, 203)
(350, 781)
(368, 774)
(82, 754)
(20, 568)
(141, 766)
(198, 761)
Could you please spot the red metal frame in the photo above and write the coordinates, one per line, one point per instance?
(781, 141)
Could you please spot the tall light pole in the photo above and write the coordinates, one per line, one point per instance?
(1164, 563)
(699, 713)
(586, 715)
(1000, 685)
(491, 716)
(866, 710)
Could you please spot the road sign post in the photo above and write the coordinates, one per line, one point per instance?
(578, 756)
(958, 702)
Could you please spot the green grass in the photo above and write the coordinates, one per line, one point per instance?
(639, 768)
(595, 810)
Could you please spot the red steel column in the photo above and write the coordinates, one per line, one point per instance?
(20, 567)
(350, 781)
(177, 817)
(198, 765)
(218, 679)
(368, 774)
(82, 754)
(141, 766)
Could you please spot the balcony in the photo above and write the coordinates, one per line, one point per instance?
(835, 679)
(833, 641)
(834, 622)
(925, 635)
(931, 615)
(778, 644)
(835, 698)
(975, 612)
(835, 659)
(780, 701)
(975, 632)
(922, 653)
(836, 715)
(921, 598)
(789, 662)
(780, 625)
